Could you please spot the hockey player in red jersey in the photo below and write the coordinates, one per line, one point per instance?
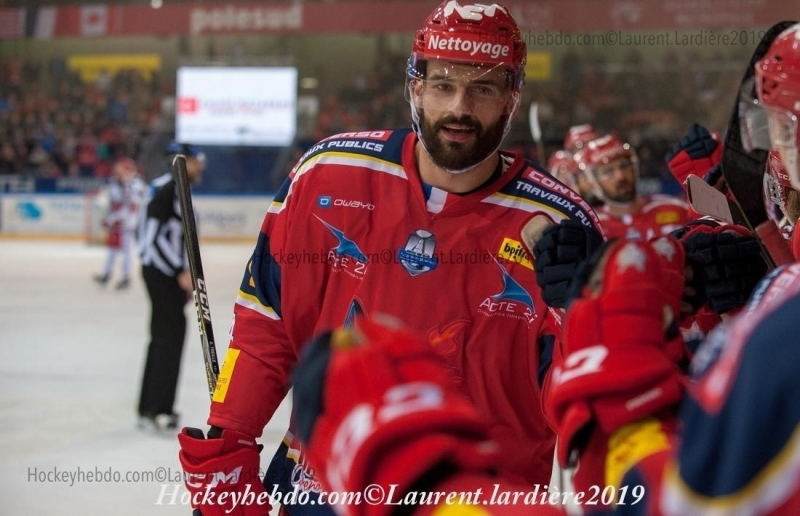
(731, 449)
(612, 167)
(423, 225)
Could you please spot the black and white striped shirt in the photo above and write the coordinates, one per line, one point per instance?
(160, 233)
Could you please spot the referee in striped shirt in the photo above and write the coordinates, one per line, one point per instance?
(166, 274)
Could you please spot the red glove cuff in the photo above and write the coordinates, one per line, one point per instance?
(218, 473)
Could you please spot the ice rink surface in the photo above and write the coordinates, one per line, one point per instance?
(72, 356)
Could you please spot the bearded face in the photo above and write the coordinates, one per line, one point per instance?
(458, 143)
(463, 112)
(618, 180)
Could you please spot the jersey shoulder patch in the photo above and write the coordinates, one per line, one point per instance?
(535, 190)
(383, 146)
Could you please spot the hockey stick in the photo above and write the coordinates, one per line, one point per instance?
(536, 132)
(743, 170)
(196, 271)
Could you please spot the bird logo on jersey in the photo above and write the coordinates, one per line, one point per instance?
(346, 256)
(512, 301)
(417, 256)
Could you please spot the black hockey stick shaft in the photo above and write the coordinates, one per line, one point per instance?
(196, 271)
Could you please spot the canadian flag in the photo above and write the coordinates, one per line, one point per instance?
(94, 20)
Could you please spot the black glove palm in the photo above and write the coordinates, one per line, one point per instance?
(557, 256)
(727, 265)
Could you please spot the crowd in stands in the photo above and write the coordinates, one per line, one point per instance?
(52, 124)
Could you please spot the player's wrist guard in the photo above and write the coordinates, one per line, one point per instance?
(376, 407)
(222, 475)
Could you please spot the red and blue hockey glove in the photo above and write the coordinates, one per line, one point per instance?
(726, 264)
(375, 406)
(222, 475)
(697, 152)
(621, 344)
(557, 256)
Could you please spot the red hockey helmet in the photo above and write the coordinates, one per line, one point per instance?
(580, 135)
(778, 89)
(599, 153)
(563, 166)
(477, 34)
(603, 151)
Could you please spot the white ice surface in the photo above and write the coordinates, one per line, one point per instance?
(72, 356)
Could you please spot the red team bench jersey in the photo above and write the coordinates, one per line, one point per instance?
(659, 215)
(353, 230)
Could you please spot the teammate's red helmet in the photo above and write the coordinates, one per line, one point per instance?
(600, 152)
(778, 72)
(603, 151)
(778, 89)
(579, 135)
(563, 166)
(470, 33)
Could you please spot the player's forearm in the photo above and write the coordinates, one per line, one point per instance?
(254, 377)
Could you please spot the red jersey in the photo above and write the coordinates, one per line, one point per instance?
(353, 230)
(658, 215)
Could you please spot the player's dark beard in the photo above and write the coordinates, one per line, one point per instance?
(623, 197)
(455, 155)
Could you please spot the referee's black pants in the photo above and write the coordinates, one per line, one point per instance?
(167, 333)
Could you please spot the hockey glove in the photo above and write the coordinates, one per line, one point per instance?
(375, 406)
(726, 264)
(557, 256)
(620, 345)
(222, 474)
(697, 152)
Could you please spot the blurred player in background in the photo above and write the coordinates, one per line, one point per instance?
(165, 270)
(564, 167)
(126, 192)
(611, 166)
(421, 224)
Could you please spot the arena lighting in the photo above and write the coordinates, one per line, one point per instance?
(156, 4)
